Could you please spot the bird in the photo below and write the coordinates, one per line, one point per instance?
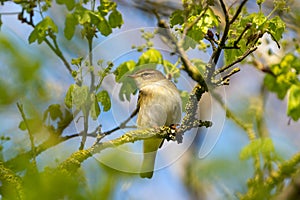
(159, 104)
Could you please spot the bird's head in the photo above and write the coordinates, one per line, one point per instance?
(146, 77)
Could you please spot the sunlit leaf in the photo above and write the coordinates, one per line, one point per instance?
(69, 97)
(276, 27)
(41, 30)
(80, 95)
(70, 25)
(104, 99)
(104, 27)
(54, 112)
(95, 109)
(124, 68)
(177, 17)
(293, 107)
(115, 19)
(150, 56)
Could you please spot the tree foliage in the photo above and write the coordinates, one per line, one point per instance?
(231, 34)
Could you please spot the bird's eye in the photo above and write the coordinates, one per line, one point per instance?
(146, 75)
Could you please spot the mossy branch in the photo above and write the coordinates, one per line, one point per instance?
(11, 183)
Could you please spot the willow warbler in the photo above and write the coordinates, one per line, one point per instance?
(159, 104)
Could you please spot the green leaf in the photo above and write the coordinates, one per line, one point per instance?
(80, 95)
(70, 4)
(231, 55)
(34, 125)
(152, 56)
(82, 15)
(124, 68)
(104, 27)
(54, 112)
(95, 109)
(70, 26)
(293, 106)
(256, 147)
(285, 75)
(22, 126)
(104, 99)
(115, 19)
(69, 97)
(128, 87)
(177, 18)
(276, 28)
(106, 6)
(199, 29)
(76, 61)
(42, 29)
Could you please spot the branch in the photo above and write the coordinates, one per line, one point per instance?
(74, 161)
(225, 11)
(235, 43)
(217, 53)
(225, 80)
(55, 139)
(54, 48)
(238, 11)
(121, 126)
(239, 59)
(226, 30)
(30, 133)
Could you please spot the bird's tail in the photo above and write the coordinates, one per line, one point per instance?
(150, 150)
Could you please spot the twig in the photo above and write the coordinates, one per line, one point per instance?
(218, 51)
(54, 140)
(242, 34)
(225, 11)
(239, 59)
(121, 126)
(225, 32)
(277, 43)
(30, 133)
(225, 80)
(89, 37)
(54, 48)
(210, 37)
(238, 11)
